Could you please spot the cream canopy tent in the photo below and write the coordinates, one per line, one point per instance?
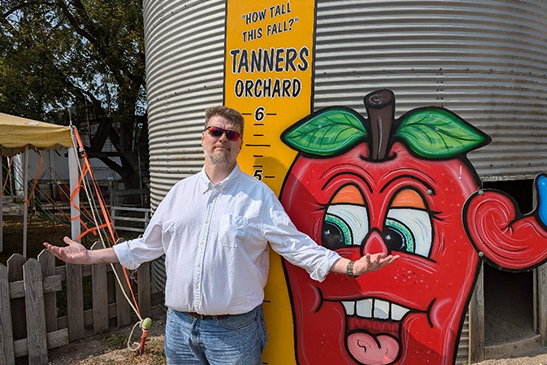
(18, 135)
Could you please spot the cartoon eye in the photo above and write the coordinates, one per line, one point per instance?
(408, 230)
(344, 225)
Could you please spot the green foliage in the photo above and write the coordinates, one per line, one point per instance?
(432, 133)
(437, 133)
(86, 56)
(326, 133)
(116, 341)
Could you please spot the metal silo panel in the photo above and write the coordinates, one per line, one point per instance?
(486, 61)
(185, 72)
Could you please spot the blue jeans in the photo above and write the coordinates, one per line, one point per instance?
(235, 340)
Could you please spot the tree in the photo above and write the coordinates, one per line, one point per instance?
(79, 60)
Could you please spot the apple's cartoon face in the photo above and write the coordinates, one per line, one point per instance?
(366, 186)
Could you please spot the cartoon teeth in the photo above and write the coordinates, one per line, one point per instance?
(375, 308)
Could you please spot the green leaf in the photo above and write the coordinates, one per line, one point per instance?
(437, 133)
(326, 133)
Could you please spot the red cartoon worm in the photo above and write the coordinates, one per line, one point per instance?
(502, 235)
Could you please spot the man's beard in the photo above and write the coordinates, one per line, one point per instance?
(219, 158)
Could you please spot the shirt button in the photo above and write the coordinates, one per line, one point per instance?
(197, 286)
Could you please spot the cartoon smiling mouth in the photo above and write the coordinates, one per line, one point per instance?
(373, 329)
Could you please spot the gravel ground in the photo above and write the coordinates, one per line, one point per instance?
(111, 348)
(538, 357)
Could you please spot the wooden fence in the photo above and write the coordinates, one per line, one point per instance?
(29, 321)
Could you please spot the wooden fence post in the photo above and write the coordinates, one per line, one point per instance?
(15, 273)
(27, 294)
(47, 261)
(123, 309)
(542, 303)
(476, 320)
(75, 302)
(7, 355)
(36, 317)
(100, 294)
(143, 281)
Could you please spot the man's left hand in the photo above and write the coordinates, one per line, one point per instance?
(372, 262)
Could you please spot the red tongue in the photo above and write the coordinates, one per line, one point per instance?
(373, 350)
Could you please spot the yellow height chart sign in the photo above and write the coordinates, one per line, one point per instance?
(268, 79)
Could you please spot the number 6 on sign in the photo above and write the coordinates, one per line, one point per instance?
(259, 114)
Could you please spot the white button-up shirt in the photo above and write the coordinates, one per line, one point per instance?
(215, 240)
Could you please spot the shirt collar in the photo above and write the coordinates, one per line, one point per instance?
(224, 184)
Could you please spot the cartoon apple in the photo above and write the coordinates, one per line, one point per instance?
(398, 186)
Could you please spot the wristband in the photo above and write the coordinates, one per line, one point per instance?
(349, 270)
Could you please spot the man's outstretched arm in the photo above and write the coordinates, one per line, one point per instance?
(367, 263)
(76, 253)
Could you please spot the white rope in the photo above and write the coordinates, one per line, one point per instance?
(92, 204)
(93, 207)
(124, 293)
(135, 345)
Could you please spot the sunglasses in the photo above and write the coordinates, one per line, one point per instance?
(217, 132)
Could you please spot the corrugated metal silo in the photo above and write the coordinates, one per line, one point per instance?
(184, 70)
(484, 60)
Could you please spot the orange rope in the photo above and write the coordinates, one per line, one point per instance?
(36, 178)
(131, 290)
(92, 230)
(80, 208)
(86, 170)
(7, 175)
(52, 201)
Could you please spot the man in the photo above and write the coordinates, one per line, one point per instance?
(214, 229)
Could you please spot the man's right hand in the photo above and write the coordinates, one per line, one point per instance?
(76, 253)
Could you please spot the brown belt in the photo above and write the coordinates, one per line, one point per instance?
(202, 316)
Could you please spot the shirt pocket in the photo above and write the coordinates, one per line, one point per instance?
(232, 230)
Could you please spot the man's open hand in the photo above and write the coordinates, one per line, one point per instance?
(74, 253)
(372, 262)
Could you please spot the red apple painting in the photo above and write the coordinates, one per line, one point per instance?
(401, 186)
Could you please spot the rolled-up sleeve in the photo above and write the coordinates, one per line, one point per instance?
(295, 246)
(133, 253)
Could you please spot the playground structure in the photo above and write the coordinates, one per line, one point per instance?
(20, 135)
(89, 216)
(39, 160)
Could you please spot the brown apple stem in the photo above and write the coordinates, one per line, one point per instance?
(380, 107)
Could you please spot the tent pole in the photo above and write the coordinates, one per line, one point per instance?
(74, 207)
(25, 205)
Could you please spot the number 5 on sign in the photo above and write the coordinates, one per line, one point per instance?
(258, 174)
